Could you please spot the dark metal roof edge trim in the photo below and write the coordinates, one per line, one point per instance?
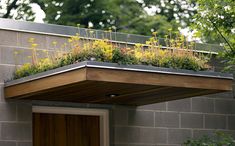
(115, 66)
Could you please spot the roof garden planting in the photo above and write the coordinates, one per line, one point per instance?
(105, 71)
(179, 54)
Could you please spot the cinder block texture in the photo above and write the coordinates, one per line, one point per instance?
(18, 56)
(141, 118)
(16, 131)
(24, 111)
(57, 42)
(8, 55)
(225, 106)
(178, 136)
(126, 134)
(2, 99)
(120, 116)
(189, 120)
(8, 38)
(231, 122)
(167, 119)
(140, 135)
(215, 121)
(24, 144)
(6, 72)
(7, 111)
(40, 40)
(203, 104)
(153, 136)
(182, 105)
(7, 143)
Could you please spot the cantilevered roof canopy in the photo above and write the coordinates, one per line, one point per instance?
(97, 82)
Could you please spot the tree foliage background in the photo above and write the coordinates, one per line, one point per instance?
(214, 20)
(17, 9)
(123, 15)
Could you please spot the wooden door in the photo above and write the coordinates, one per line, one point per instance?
(65, 130)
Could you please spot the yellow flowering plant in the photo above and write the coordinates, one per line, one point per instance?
(177, 54)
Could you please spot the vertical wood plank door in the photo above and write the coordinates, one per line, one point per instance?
(65, 130)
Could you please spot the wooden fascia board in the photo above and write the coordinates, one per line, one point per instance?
(49, 82)
(160, 79)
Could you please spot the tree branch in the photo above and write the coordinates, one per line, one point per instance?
(9, 8)
(217, 29)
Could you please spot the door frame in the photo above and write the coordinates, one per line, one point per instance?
(102, 113)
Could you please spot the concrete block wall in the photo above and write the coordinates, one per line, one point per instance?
(161, 124)
(171, 123)
(15, 116)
